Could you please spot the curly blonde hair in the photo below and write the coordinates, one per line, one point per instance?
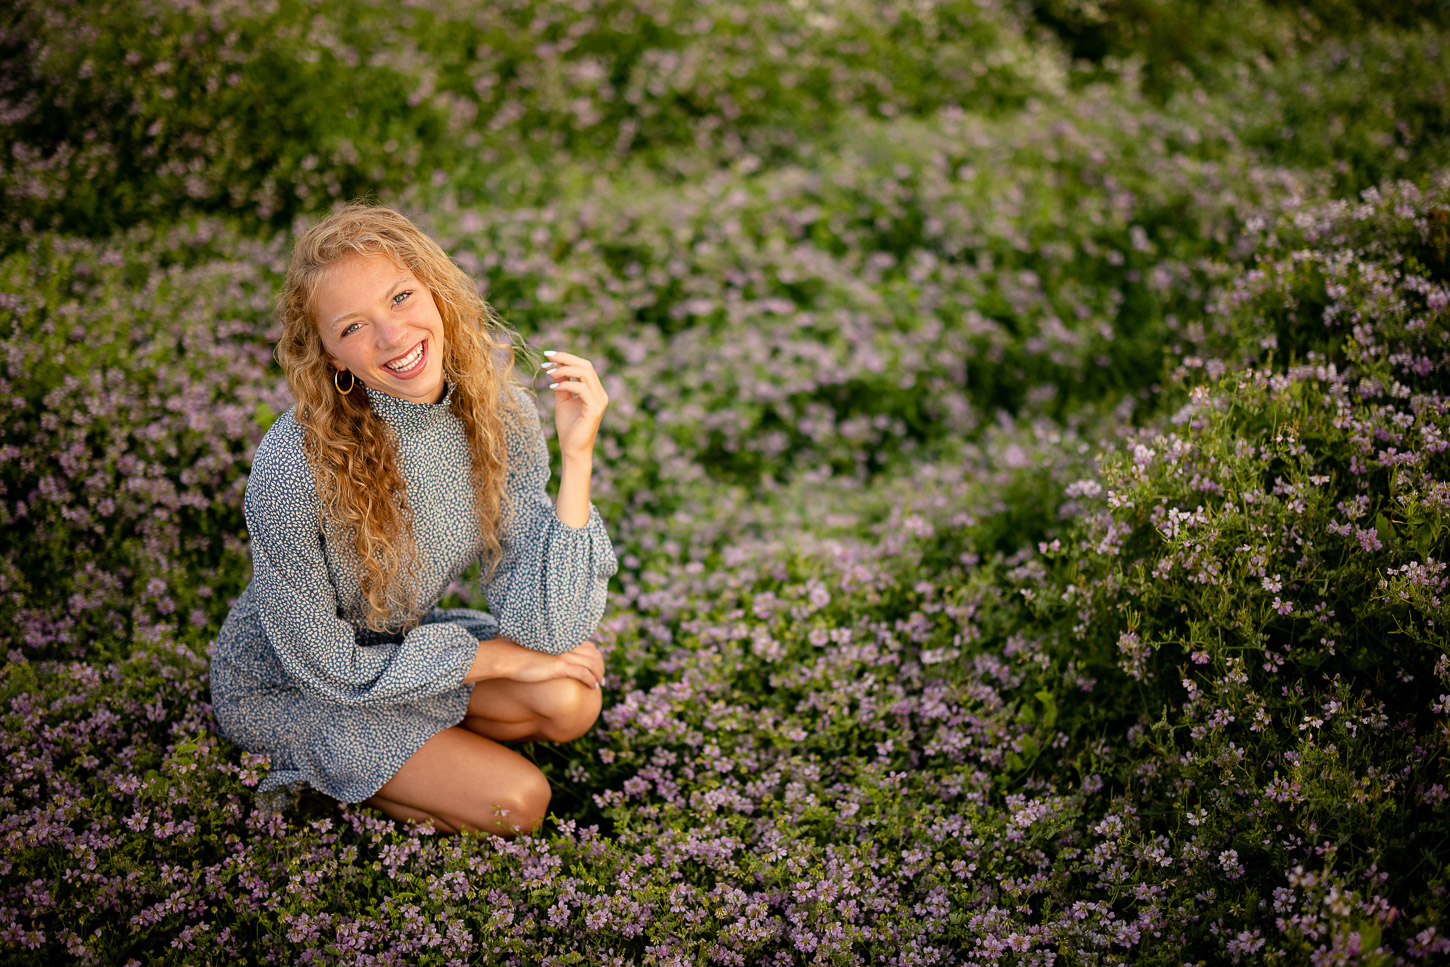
(353, 453)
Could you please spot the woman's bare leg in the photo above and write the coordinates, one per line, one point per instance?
(462, 780)
(554, 711)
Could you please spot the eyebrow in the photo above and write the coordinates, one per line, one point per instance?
(388, 294)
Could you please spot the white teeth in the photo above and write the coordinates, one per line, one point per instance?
(407, 360)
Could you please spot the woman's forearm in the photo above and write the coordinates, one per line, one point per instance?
(496, 658)
(504, 658)
(572, 504)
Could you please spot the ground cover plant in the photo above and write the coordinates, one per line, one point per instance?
(1026, 456)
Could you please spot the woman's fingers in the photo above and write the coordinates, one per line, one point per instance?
(582, 383)
(590, 657)
(579, 366)
(594, 669)
(556, 356)
(574, 374)
(571, 366)
(582, 674)
(575, 378)
(584, 388)
(582, 374)
(542, 667)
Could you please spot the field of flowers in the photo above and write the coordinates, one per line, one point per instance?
(1028, 457)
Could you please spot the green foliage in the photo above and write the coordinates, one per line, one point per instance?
(128, 112)
(1168, 45)
(1319, 112)
(119, 113)
(1260, 580)
(127, 446)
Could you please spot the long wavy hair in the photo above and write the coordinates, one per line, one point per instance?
(353, 453)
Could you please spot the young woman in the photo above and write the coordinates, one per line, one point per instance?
(410, 454)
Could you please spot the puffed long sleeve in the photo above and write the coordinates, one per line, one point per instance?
(548, 591)
(297, 602)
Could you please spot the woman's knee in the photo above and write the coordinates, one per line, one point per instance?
(571, 709)
(521, 810)
(464, 781)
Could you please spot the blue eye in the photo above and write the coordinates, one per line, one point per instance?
(401, 295)
(349, 329)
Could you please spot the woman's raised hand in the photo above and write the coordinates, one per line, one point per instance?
(579, 402)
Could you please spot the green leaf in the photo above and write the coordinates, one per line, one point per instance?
(1382, 526)
(1369, 936)
(1049, 707)
(1308, 659)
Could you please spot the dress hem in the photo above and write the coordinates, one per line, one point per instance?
(291, 777)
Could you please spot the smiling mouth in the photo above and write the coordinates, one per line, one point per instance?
(410, 362)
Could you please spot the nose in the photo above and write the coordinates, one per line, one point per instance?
(391, 334)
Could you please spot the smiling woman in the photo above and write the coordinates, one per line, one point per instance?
(412, 453)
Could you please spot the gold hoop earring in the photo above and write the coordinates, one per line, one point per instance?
(352, 381)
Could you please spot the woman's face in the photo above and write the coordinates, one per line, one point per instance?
(377, 320)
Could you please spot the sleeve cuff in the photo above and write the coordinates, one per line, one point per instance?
(455, 648)
(594, 523)
(602, 562)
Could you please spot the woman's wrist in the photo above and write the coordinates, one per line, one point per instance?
(572, 504)
(495, 658)
(579, 461)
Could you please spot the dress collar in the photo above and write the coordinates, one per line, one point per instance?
(404, 415)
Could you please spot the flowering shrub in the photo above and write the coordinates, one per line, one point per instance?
(1259, 582)
(1031, 509)
(812, 306)
(119, 112)
(126, 447)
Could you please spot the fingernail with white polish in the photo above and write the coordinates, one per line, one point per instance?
(553, 386)
(548, 352)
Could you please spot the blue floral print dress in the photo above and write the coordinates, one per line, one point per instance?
(297, 675)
